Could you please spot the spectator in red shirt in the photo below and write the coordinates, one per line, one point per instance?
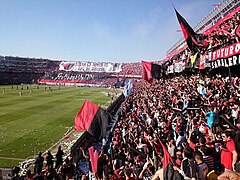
(229, 154)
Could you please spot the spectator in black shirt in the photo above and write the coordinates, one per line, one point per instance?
(38, 164)
(59, 157)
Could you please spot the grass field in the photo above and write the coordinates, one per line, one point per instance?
(39, 118)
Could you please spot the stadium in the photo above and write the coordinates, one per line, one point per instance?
(175, 118)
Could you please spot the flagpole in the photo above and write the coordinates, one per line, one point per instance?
(173, 6)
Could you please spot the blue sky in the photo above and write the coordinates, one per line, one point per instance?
(95, 30)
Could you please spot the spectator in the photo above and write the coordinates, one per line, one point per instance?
(229, 154)
(202, 167)
(49, 159)
(211, 117)
(59, 157)
(38, 164)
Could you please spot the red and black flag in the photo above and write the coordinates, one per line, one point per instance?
(193, 39)
(93, 119)
(151, 71)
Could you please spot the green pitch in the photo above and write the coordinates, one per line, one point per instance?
(38, 117)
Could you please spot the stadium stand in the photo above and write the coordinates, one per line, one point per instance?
(131, 68)
(183, 126)
(194, 116)
(17, 70)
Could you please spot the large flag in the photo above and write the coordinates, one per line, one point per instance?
(93, 119)
(193, 39)
(151, 71)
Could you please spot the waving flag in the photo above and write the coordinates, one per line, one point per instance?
(93, 119)
(151, 71)
(193, 39)
(94, 159)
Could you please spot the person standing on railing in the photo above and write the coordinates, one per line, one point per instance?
(38, 164)
(59, 157)
(49, 159)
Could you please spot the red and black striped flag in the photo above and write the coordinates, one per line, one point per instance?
(151, 71)
(93, 119)
(193, 39)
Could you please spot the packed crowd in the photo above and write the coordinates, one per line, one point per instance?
(225, 34)
(131, 68)
(196, 118)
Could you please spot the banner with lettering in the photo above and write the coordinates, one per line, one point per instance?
(226, 57)
(178, 67)
(90, 66)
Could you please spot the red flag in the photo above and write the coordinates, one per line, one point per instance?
(166, 157)
(95, 155)
(93, 159)
(93, 119)
(84, 117)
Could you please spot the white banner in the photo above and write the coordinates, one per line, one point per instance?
(90, 66)
(170, 69)
(178, 67)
